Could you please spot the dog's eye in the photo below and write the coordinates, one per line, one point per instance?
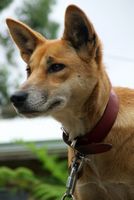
(55, 68)
(28, 70)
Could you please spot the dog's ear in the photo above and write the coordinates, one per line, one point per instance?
(80, 32)
(25, 38)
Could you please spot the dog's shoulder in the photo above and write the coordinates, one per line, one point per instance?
(125, 95)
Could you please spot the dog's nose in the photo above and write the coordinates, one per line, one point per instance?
(19, 98)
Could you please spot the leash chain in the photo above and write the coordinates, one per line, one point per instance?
(76, 166)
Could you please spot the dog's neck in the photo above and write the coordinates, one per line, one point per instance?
(78, 122)
(81, 119)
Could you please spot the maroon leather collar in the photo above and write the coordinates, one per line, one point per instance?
(91, 143)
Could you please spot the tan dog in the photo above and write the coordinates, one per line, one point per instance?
(67, 80)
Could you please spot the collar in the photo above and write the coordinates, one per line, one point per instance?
(92, 142)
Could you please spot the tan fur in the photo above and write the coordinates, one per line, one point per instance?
(82, 88)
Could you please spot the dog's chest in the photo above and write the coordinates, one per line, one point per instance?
(93, 185)
(105, 191)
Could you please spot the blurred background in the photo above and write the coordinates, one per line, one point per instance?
(26, 169)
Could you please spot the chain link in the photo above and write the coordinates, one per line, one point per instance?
(76, 166)
(66, 197)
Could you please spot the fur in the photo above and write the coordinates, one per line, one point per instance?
(67, 80)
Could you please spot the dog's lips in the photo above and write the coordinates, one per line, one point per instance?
(54, 104)
(30, 112)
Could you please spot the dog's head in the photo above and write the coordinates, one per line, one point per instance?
(63, 73)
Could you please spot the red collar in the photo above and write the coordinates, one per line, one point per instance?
(91, 143)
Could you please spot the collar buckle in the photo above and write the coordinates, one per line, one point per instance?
(73, 144)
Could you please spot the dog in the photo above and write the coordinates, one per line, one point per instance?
(66, 79)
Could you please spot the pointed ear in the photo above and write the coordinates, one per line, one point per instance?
(80, 32)
(24, 37)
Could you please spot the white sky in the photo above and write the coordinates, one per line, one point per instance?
(114, 23)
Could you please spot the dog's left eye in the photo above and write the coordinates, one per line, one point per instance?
(56, 68)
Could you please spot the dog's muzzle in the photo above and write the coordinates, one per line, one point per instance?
(34, 102)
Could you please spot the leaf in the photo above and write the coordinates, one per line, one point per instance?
(6, 176)
(47, 191)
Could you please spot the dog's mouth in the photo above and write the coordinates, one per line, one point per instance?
(50, 106)
(55, 104)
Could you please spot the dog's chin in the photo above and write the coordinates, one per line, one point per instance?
(48, 109)
(29, 114)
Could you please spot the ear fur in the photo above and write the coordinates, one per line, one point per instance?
(80, 32)
(25, 38)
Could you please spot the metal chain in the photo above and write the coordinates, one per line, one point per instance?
(65, 197)
(76, 166)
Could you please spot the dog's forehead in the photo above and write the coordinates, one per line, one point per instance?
(52, 50)
(57, 48)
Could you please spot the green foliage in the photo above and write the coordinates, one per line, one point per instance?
(4, 73)
(6, 176)
(19, 178)
(51, 186)
(3, 85)
(48, 192)
(4, 3)
(48, 187)
(59, 173)
(37, 15)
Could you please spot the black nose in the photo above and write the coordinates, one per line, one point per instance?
(19, 98)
